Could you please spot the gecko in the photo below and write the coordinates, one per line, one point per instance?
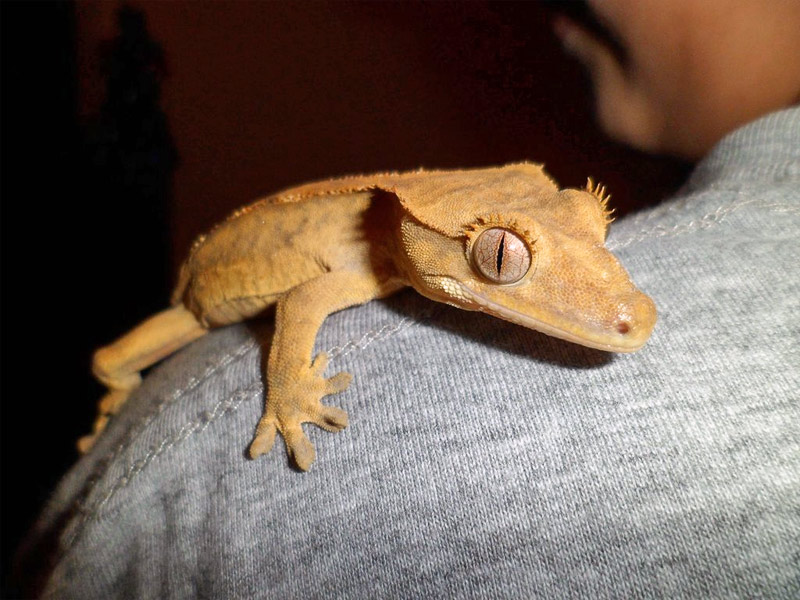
(504, 240)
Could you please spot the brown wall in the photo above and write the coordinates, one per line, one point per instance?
(264, 95)
(259, 96)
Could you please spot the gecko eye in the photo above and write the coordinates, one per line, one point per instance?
(501, 256)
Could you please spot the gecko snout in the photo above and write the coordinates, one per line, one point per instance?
(634, 320)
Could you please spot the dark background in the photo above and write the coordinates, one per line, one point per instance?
(124, 135)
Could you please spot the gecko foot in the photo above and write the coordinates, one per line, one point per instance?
(86, 442)
(109, 405)
(291, 402)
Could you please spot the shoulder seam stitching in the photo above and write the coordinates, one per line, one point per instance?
(225, 406)
(705, 222)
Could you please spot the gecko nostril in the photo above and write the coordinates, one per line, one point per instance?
(623, 327)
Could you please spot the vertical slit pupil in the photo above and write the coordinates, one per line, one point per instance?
(500, 250)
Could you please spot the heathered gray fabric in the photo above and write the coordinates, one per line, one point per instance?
(483, 459)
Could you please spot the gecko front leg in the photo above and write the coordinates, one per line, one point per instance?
(295, 385)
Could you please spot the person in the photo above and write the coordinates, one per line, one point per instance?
(690, 72)
(483, 459)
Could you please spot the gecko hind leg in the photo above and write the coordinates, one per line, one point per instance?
(300, 403)
(118, 364)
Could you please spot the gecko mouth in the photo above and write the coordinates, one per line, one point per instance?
(617, 342)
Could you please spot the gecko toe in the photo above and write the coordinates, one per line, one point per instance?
(300, 448)
(86, 442)
(331, 418)
(338, 383)
(263, 441)
(320, 364)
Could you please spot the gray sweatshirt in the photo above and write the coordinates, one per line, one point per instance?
(483, 459)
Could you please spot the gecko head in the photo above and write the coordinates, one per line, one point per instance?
(538, 264)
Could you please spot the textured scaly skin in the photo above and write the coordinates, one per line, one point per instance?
(321, 247)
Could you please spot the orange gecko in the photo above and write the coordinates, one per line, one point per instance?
(506, 241)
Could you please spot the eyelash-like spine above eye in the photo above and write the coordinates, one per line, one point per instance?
(598, 190)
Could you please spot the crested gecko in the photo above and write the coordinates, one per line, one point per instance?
(505, 240)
